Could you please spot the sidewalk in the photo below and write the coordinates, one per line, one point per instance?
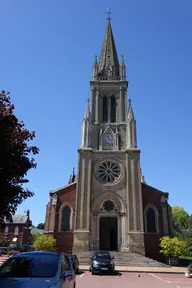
(172, 270)
(3, 259)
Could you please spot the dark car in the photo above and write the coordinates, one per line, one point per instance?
(102, 262)
(14, 247)
(24, 248)
(37, 269)
(75, 262)
(3, 250)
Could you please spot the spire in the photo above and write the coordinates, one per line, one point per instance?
(109, 63)
(122, 69)
(72, 177)
(131, 128)
(95, 69)
(142, 177)
(87, 112)
(130, 115)
(86, 126)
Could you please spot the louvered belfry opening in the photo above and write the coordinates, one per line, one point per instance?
(105, 109)
(113, 109)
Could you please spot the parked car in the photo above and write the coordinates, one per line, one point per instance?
(14, 247)
(40, 269)
(74, 261)
(102, 262)
(24, 248)
(3, 250)
(19, 247)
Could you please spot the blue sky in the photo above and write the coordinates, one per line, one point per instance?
(47, 51)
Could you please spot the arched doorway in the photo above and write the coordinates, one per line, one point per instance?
(108, 233)
(108, 223)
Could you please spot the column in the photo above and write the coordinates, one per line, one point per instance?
(82, 192)
(120, 104)
(140, 201)
(109, 109)
(97, 107)
(123, 233)
(88, 194)
(133, 191)
(165, 215)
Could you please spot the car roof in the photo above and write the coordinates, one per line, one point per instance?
(37, 253)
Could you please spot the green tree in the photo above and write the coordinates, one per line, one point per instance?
(45, 243)
(181, 218)
(173, 246)
(35, 236)
(40, 226)
(16, 158)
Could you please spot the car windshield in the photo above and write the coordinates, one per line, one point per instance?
(30, 266)
(103, 255)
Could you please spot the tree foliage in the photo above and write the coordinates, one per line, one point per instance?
(4, 242)
(40, 226)
(45, 243)
(182, 222)
(173, 246)
(16, 158)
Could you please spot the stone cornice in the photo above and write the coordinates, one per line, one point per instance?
(85, 149)
(132, 150)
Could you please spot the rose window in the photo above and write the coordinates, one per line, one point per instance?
(108, 206)
(108, 171)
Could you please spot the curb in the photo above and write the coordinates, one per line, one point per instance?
(142, 271)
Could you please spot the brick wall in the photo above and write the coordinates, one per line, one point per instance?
(153, 196)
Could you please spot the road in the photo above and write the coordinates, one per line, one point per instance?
(133, 280)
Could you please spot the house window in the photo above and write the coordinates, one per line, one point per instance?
(105, 109)
(16, 230)
(151, 221)
(6, 230)
(65, 225)
(113, 109)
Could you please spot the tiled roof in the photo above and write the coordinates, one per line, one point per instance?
(19, 219)
(57, 190)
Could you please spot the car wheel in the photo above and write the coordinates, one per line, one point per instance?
(93, 273)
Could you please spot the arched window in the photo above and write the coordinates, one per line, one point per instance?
(151, 221)
(105, 109)
(65, 224)
(113, 109)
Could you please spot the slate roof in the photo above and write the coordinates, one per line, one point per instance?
(19, 219)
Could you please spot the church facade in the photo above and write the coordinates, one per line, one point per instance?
(108, 205)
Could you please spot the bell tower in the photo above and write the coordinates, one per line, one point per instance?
(108, 199)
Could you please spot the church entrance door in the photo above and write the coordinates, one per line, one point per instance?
(108, 233)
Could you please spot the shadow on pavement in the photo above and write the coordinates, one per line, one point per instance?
(116, 273)
(80, 272)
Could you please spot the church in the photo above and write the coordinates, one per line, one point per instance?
(108, 205)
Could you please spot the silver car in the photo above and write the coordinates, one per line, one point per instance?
(37, 269)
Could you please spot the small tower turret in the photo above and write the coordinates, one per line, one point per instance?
(131, 128)
(86, 123)
(122, 69)
(95, 70)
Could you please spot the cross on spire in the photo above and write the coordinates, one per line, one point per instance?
(108, 13)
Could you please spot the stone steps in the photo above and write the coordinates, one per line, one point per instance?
(123, 259)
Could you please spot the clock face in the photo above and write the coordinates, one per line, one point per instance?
(108, 139)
